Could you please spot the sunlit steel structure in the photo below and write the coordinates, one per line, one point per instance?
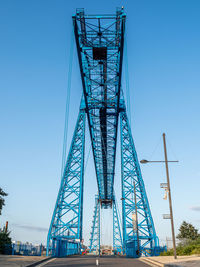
(100, 47)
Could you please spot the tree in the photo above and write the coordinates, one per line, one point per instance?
(2, 201)
(5, 242)
(187, 231)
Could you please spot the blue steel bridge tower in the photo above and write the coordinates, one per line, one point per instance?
(100, 46)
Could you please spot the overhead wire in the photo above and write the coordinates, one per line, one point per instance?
(127, 79)
(171, 148)
(67, 103)
(155, 148)
(87, 158)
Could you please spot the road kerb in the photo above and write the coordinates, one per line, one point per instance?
(41, 262)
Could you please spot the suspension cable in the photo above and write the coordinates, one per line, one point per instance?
(127, 79)
(67, 103)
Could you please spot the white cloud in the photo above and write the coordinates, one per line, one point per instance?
(29, 227)
(195, 208)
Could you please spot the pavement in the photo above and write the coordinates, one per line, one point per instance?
(169, 261)
(185, 264)
(18, 261)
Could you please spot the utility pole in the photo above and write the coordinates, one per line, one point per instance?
(169, 194)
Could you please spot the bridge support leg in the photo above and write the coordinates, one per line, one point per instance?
(117, 237)
(66, 223)
(139, 235)
(95, 244)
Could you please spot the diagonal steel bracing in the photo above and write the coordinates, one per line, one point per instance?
(138, 223)
(67, 218)
(95, 233)
(100, 42)
(117, 237)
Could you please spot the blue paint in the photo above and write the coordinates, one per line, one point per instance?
(100, 43)
(66, 224)
(117, 237)
(94, 245)
(131, 174)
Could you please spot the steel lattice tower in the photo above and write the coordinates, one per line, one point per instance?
(100, 45)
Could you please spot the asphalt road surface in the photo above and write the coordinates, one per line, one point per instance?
(90, 261)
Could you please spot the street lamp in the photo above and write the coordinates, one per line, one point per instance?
(152, 161)
(168, 189)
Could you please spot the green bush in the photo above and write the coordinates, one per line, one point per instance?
(169, 252)
(188, 248)
(5, 242)
(196, 250)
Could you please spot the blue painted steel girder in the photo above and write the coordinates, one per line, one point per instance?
(95, 233)
(94, 245)
(100, 41)
(117, 237)
(138, 229)
(66, 223)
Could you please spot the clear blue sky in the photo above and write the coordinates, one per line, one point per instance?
(163, 43)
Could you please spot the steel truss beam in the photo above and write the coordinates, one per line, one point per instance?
(142, 230)
(117, 237)
(66, 224)
(100, 42)
(95, 233)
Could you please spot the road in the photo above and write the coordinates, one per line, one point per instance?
(106, 261)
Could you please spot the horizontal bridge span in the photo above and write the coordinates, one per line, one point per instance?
(100, 42)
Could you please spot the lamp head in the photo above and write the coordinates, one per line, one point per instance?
(144, 161)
